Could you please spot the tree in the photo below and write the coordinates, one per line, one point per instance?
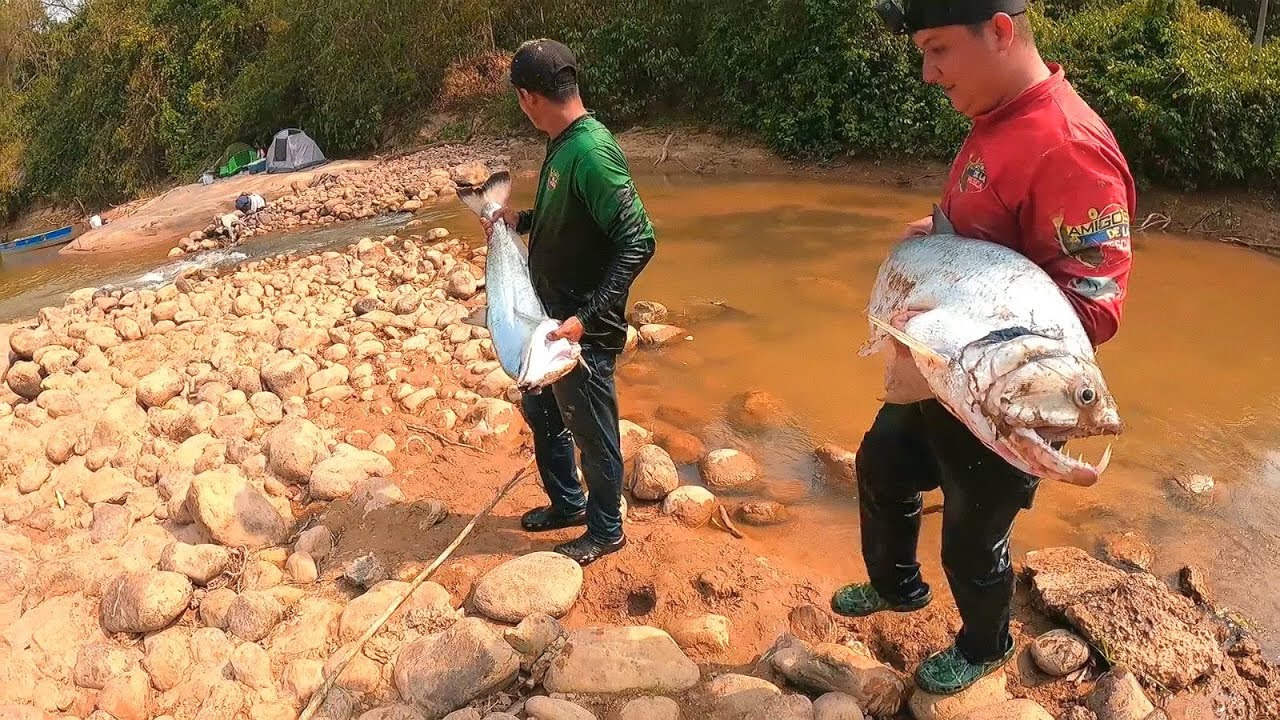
(1262, 24)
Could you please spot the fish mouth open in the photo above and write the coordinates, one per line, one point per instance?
(1033, 445)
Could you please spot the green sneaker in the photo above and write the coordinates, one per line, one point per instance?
(949, 671)
(861, 600)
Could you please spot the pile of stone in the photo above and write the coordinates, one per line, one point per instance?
(403, 184)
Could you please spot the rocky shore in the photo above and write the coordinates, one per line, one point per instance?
(407, 184)
(210, 491)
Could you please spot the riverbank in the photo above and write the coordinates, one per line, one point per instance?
(211, 479)
(365, 187)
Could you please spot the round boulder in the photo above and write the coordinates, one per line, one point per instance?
(541, 582)
(654, 474)
(728, 470)
(1060, 652)
(142, 602)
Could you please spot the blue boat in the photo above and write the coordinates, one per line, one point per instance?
(60, 236)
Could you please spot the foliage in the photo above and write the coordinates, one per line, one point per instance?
(129, 93)
(1191, 102)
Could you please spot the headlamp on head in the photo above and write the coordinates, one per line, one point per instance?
(909, 16)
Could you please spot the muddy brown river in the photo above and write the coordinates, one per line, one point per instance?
(1195, 369)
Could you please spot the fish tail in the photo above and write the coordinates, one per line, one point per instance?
(494, 191)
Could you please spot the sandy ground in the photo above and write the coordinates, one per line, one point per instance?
(182, 210)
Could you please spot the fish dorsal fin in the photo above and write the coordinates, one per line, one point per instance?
(495, 191)
(941, 225)
(912, 344)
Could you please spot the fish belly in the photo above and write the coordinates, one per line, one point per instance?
(514, 312)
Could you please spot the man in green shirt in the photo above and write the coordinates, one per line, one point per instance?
(589, 237)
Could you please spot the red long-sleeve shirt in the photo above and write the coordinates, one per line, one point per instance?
(1043, 175)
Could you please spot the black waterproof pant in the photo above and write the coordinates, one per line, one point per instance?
(581, 409)
(921, 446)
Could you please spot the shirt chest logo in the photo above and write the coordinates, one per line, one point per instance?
(553, 179)
(1088, 241)
(973, 179)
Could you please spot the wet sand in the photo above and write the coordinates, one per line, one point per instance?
(164, 219)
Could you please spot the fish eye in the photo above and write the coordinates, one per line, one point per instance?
(1086, 396)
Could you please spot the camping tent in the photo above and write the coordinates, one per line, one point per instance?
(291, 150)
(237, 156)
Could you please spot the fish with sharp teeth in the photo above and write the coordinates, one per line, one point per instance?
(988, 333)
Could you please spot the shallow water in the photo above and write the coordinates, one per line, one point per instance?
(1194, 369)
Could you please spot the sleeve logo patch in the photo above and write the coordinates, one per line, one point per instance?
(1087, 242)
(553, 179)
(973, 178)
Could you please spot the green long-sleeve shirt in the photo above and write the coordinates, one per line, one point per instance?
(589, 234)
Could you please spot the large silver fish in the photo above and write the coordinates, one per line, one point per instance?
(990, 335)
(516, 319)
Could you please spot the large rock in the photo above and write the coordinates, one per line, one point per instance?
(541, 707)
(443, 672)
(24, 378)
(621, 659)
(1021, 709)
(1059, 652)
(837, 706)
(233, 511)
(200, 563)
(541, 582)
(830, 667)
(338, 475)
(1144, 625)
(647, 312)
(287, 377)
(990, 690)
(253, 615)
(706, 634)
(159, 387)
(429, 601)
(653, 474)
(294, 448)
(756, 411)
(650, 708)
(1118, 696)
(732, 697)
(142, 602)
(631, 438)
(728, 470)
(97, 663)
(838, 466)
(691, 505)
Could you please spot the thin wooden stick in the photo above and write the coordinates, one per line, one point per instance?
(663, 158)
(728, 524)
(442, 438)
(318, 699)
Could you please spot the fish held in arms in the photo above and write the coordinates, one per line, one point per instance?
(989, 334)
(515, 317)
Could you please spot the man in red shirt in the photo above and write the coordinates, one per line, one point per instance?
(1042, 174)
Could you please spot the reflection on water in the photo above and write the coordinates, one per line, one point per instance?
(779, 272)
(1194, 369)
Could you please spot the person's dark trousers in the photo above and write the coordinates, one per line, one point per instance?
(921, 446)
(581, 409)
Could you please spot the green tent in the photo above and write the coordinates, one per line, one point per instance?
(235, 159)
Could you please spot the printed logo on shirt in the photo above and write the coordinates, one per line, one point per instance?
(974, 177)
(1096, 288)
(1088, 241)
(553, 179)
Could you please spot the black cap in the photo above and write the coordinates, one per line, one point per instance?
(909, 16)
(540, 65)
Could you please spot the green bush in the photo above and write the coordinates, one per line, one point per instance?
(1191, 102)
(130, 93)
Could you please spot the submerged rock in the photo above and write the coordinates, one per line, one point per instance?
(728, 470)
